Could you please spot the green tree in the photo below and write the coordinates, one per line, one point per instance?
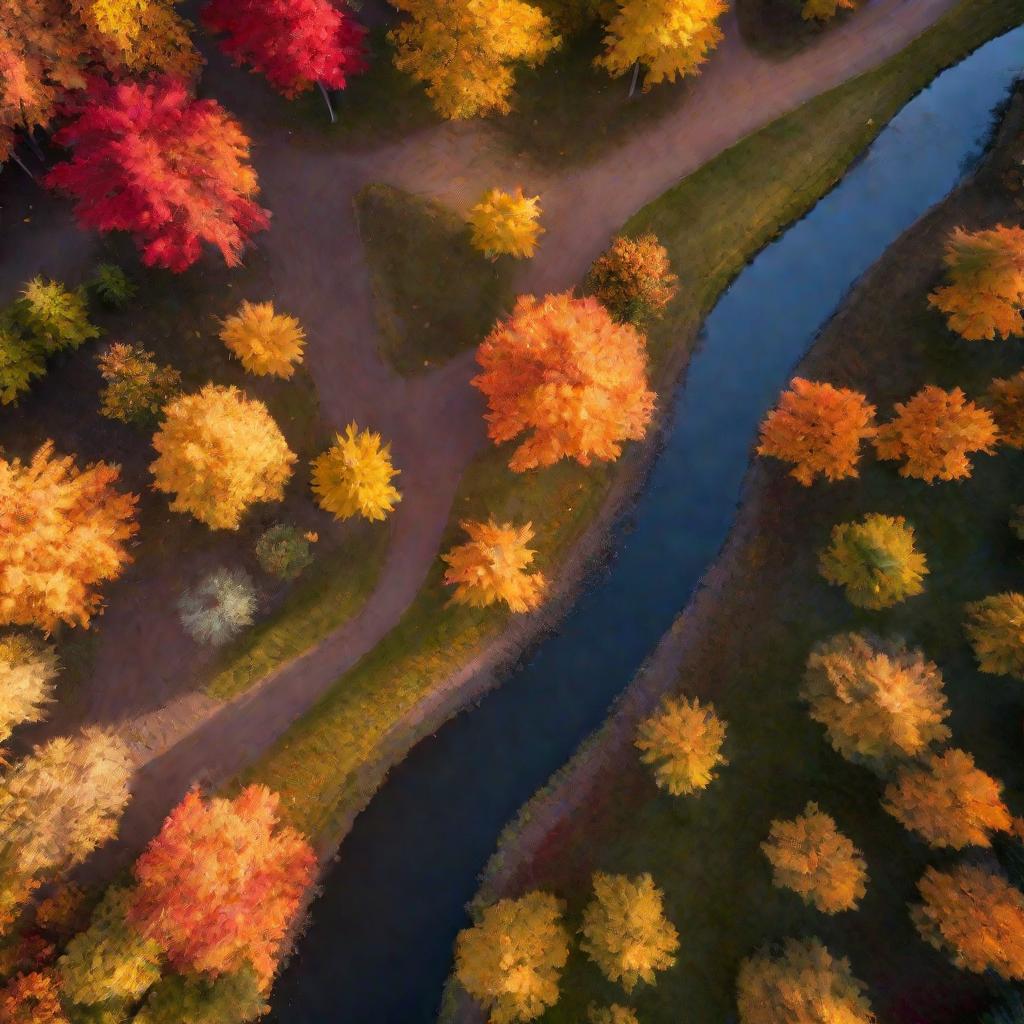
(234, 998)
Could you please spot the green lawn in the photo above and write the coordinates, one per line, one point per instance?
(712, 223)
(436, 295)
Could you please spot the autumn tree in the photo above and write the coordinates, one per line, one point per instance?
(948, 801)
(985, 291)
(171, 170)
(27, 671)
(511, 959)
(219, 884)
(668, 38)
(819, 429)
(974, 916)
(802, 983)
(62, 531)
(265, 341)
(491, 566)
(54, 317)
(625, 931)
(935, 432)
(353, 477)
(234, 998)
(21, 360)
(562, 371)
(464, 51)
(31, 999)
(506, 224)
(683, 742)
(613, 1014)
(1006, 400)
(825, 10)
(219, 607)
(219, 452)
(809, 855)
(633, 279)
(875, 561)
(135, 386)
(995, 626)
(878, 700)
(294, 43)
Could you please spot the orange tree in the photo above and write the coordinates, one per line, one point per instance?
(995, 626)
(633, 278)
(682, 741)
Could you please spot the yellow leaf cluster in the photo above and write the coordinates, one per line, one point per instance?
(804, 984)
(613, 1014)
(995, 626)
(974, 916)
(809, 855)
(683, 740)
(877, 700)
(353, 477)
(464, 50)
(62, 531)
(266, 342)
(506, 224)
(625, 931)
(511, 959)
(27, 672)
(219, 452)
(948, 801)
(1006, 400)
(491, 566)
(825, 10)
(669, 38)
(875, 560)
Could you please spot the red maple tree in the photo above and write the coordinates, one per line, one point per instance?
(170, 169)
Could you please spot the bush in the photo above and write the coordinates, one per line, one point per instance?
(633, 279)
(219, 607)
(136, 387)
(112, 286)
(283, 551)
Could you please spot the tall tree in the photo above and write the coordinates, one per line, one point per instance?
(561, 370)
(995, 627)
(171, 170)
(464, 50)
(682, 741)
(62, 531)
(353, 477)
(219, 885)
(27, 671)
(267, 342)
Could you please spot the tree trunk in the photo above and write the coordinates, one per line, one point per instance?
(636, 75)
(327, 100)
(17, 159)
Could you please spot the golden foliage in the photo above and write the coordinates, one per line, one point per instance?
(809, 855)
(220, 451)
(511, 959)
(683, 741)
(266, 342)
(353, 477)
(561, 369)
(506, 224)
(613, 1014)
(491, 566)
(948, 802)
(1006, 400)
(464, 50)
(825, 10)
(669, 38)
(31, 999)
(934, 432)
(985, 293)
(633, 278)
(819, 428)
(974, 916)
(995, 626)
(875, 560)
(27, 672)
(625, 931)
(878, 700)
(136, 388)
(804, 984)
(62, 531)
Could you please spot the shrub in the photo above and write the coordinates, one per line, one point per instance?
(633, 279)
(136, 388)
(267, 343)
(219, 607)
(112, 286)
(54, 317)
(506, 224)
(683, 741)
(353, 477)
(284, 551)
(995, 626)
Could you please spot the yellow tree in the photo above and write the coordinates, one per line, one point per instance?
(265, 341)
(809, 855)
(824, 10)
(985, 293)
(975, 917)
(878, 700)
(802, 984)
(353, 477)
(668, 38)
(506, 224)
(491, 566)
(62, 531)
(511, 959)
(995, 626)
(219, 452)
(683, 741)
(875, 561)
(27, 671)
(625, 931)
(1006, 400)
(948, 801)
(464, 50)
(934, 432)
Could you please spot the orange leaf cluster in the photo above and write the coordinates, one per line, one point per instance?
(563, 371)
(995, 626)
(31, 999)
(819, 429)
(633, 278)
(1006, 400)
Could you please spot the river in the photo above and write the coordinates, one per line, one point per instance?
(379, 945)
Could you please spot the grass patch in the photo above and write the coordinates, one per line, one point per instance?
(435, 294)
(712, 223)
